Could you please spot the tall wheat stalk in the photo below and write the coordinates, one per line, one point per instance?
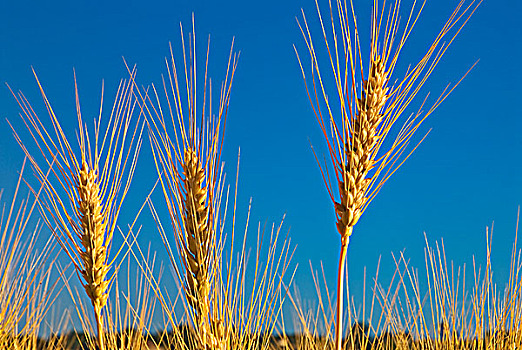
(186, 133)
(83, 188)
(191, 177)
(358, 120)
(440, 305)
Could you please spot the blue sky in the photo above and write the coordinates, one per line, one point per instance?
(465, 175)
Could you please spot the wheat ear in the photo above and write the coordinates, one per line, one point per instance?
(83, 189)
(367, 116)
(362, 141)
(186, 145)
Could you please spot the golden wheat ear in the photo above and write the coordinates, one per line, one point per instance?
(369, 107)
(84, 186)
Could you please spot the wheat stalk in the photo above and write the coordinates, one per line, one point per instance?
(83, 193)
(191, 178)
(128, 314)
(359, 160)
(368, 111)
(186, 141)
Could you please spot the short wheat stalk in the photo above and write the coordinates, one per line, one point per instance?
(26, 290)
(368, 107)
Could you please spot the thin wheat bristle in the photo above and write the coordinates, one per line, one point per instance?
(93, 226)
(359, 150)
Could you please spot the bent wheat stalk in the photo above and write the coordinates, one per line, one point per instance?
(82, 189)
(368, 105)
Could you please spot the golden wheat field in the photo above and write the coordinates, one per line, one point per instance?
(125, 227)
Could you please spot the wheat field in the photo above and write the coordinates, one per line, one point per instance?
(154, 247)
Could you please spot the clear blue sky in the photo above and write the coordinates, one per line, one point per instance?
(466, 174)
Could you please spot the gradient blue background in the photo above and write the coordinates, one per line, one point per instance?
(465, 175)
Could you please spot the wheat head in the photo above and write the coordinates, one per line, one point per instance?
(359, 162)
(187, 151)
(83, 189)
(226, 309)
(198, 234)
(94, 253)
(186, 140)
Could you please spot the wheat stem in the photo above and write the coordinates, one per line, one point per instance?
(340, 289)
(360, 152)
(99, 326)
